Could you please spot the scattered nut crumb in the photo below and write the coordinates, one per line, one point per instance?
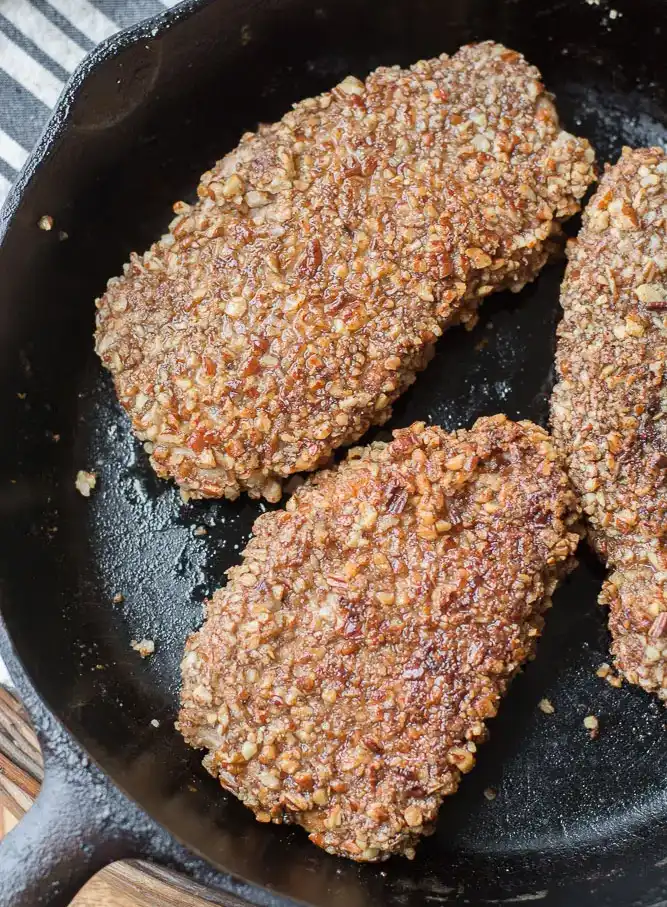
(45, 222)
(85, 482)
(21, 396)
(145, 647)
(606, 672)
(592, 724)
(118, 598)
(200, 530)
(62, 236)
(490, 793)
(545, 706)
(155, 722)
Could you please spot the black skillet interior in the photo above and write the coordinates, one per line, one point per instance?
(575, 821)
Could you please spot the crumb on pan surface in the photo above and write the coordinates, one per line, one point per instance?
(592, 725)
(345, 673)
(85, 482)
(285, 311)
(609, 407)
(144, 647)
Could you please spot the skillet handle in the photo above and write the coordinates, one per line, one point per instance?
(61, 842)
(78, 824)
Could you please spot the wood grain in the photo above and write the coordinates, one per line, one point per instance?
(126, 884)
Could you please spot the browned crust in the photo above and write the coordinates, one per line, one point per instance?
(282, 314)
(345, 672)
(608, 411)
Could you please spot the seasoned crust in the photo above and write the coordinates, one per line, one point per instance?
(609, 408)
(344, 674)
(287, 309)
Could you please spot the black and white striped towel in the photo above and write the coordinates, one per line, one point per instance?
(41, 43)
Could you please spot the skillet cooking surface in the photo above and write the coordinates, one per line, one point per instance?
(563, 800)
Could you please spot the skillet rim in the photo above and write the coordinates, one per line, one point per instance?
(147, 30)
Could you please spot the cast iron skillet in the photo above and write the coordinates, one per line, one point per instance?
(576, 822)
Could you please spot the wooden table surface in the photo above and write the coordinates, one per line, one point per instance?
(126, 884)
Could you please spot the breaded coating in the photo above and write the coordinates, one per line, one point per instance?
(344, 674)
(609, 409)
(288, 308)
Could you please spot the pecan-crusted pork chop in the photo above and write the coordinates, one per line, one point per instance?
(288, 308)
(609, 410)
(344, 674)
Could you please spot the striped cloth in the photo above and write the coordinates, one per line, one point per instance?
(41, 43)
